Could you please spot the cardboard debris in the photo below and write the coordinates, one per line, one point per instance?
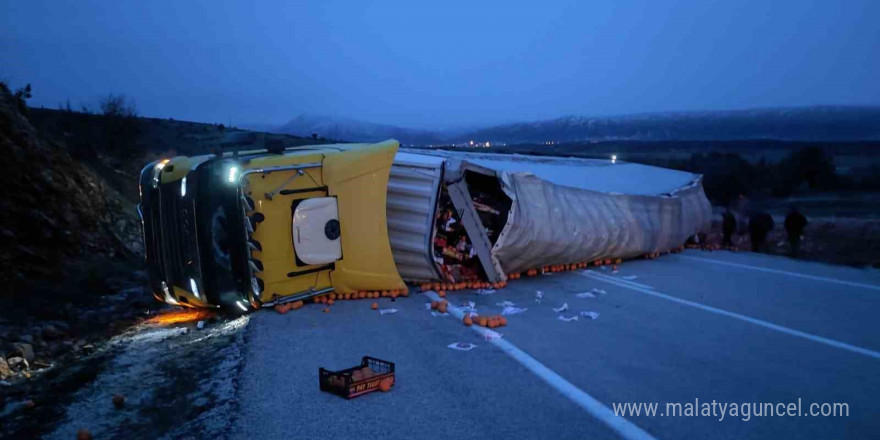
(491, 334)
(462, 346)
(468, 306)
(512, 310)
(591, 315)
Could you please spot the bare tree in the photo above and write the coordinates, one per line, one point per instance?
(118, 106)
(121, 125)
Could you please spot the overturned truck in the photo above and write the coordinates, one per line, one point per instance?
(455, 216)
(243, 230)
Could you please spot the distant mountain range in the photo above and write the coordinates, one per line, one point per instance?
(348, 129)
(820, 123)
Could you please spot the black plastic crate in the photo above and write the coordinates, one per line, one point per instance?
(347, 383)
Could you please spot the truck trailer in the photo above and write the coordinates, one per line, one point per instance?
(243, 230)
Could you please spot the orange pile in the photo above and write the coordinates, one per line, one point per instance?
(484, 321)
(451, 287)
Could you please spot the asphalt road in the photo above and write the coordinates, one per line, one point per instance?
(729, 327)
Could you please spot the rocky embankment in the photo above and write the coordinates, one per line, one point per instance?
(70, 252)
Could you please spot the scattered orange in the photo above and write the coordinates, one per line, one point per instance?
(326, 309)
(482, 321)
(374, 306)
(330, 301)
(385, 384)
(467, 320)
(502, 320)
(441, 294)
(83, 434)
(434, 305)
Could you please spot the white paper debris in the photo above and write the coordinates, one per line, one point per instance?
(585, 295)
(629, 277)
(567, 318)
(485, 291)
(387, 311)
(428, 306)
(539, 296)
(599, 291)
(462, 346)
(561, 309)
(615, 271)
(468, 306)
(491, 334)
(505, 304)
(591, 315)
(511, 310)
(436, 314)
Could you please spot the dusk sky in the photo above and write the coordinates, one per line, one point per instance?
(441, 64)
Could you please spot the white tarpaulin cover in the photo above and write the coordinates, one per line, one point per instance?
(553, 224)
(568, 210)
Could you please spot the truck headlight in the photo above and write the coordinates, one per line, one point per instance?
(195, 287)
(233, 174)
(183, 187)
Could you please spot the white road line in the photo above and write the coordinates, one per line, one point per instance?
(595, 408)
(618, 279)
(749, 319)
(785, 272)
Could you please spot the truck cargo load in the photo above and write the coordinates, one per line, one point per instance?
(512, 213)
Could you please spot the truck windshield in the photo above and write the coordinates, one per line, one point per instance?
(221, 237)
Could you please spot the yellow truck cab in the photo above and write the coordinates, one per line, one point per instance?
(245, 230)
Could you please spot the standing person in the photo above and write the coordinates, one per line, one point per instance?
(795, 222)
(728, 227)
(760, 224)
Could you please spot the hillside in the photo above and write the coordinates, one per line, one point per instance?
(351, 130)
(826, 123)
(55, 208)
(805, 124)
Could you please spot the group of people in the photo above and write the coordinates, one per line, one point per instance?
(760, 225)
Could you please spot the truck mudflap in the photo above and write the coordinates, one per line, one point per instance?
(358, 178)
